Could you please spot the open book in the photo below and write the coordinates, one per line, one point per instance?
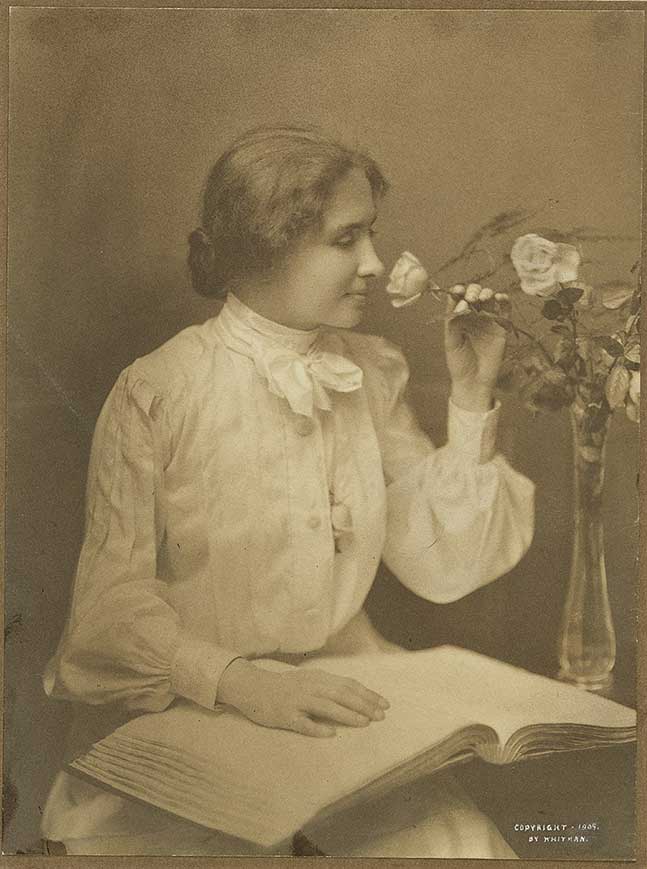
(222, 771)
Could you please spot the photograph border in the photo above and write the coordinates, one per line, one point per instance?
(74, 862)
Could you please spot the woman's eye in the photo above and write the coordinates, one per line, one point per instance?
(351, 238)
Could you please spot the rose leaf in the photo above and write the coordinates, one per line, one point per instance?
(613, 348)
(614, 297)
(552, 310)
(570, 295)
(632, 353)
(617, 385)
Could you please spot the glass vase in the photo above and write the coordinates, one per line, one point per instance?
(587, 643)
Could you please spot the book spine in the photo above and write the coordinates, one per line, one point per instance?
(492, 753)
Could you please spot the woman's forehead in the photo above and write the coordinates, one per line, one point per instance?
(351, 202)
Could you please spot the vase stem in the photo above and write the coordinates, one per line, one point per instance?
(587, 644)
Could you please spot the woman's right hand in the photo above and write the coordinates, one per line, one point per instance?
(306, 701)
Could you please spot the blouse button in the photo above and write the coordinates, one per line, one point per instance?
(304, 426)
(314, 522)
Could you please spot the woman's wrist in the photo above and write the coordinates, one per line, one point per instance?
(237, 682)
(477, 399)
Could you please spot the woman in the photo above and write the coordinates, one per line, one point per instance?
(245, 480)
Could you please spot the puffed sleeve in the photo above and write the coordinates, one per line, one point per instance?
(458, 516)
(123, 642)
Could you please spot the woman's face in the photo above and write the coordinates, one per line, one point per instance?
(325, 278)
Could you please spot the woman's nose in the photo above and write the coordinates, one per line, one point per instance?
(370, 265)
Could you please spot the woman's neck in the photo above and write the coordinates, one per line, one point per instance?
(266, 307)
(298, 339)
(267, 300)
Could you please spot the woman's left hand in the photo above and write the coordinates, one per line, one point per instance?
(474, 347)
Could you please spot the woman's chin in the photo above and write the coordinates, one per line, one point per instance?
(351, 315)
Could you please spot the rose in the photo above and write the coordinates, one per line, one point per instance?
(408, 281)
(542, 265)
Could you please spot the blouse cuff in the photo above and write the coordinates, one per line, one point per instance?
(197, 668)
(473, 434)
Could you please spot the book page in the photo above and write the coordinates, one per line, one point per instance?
(507, 698)
(243, 766)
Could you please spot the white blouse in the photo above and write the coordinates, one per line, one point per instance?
(245, 481)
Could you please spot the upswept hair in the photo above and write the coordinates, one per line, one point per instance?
(269, 188)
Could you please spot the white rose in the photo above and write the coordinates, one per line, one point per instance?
(542, 264)
(408, 281)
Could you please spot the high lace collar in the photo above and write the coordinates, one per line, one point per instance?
(297, 340)
(295, 364)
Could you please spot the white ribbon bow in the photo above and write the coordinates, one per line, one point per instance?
(304, 379)
(291, 361)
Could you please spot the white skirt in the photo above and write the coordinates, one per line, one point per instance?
(433, 817)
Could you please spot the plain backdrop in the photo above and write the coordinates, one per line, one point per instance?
(115, 118)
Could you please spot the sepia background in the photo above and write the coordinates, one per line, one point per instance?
(115, 118)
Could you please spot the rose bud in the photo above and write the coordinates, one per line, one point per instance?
(408, 281)
(542, 264)
(462, 307)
